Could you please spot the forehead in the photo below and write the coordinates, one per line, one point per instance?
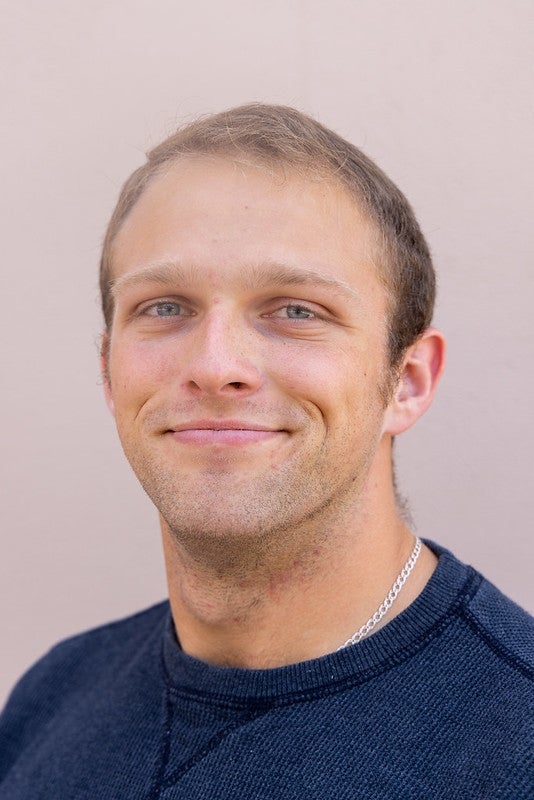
(212, 215)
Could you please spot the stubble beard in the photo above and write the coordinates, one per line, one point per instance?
(222, 518)
(233, 515)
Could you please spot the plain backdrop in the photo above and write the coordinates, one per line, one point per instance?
(439, 94)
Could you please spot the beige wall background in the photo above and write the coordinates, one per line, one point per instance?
(440, 94)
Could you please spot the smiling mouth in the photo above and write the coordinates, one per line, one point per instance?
(223, 433)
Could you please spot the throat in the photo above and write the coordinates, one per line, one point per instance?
(229, 585)
(260, 612)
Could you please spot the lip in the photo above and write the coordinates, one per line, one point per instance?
(223, 431)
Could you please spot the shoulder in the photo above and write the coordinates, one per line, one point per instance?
(74, 683)
(92, 654)
(495, 620)
(505, 627)
(112, 638)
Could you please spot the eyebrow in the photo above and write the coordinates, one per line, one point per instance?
(274, 274)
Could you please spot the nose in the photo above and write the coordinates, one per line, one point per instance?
(220, 360)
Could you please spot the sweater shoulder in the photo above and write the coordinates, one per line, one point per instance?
(93, 652)
(506, 627)
(68, 684)
(113, 637)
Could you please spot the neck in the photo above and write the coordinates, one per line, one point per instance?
(264, 604)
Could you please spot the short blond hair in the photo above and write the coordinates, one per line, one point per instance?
(280, 136)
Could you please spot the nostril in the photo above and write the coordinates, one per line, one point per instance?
(236, 384)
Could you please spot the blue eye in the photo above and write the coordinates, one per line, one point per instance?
(299, 312)
(165, 309)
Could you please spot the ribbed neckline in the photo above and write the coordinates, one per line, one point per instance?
(403, 636)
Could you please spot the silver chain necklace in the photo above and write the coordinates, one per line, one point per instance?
(389, 599)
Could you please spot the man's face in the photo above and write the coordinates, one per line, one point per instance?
(247, 359)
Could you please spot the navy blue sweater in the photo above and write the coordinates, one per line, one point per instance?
(434, 705)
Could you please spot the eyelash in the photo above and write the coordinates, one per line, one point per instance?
(162, 303)
(151, 310)
(298, 307)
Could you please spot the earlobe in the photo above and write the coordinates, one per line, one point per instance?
(104, 371)
(418, 379)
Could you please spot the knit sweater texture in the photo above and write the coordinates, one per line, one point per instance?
(435, 705)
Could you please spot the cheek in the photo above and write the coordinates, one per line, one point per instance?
(346, 388)
(136, 371)
(321, 381)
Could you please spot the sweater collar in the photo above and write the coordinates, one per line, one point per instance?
(401, 638)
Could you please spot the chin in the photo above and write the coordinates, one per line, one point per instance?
(225, 520)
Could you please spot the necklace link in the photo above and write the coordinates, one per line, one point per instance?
(389, 599)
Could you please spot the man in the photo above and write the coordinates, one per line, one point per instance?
(267, 296)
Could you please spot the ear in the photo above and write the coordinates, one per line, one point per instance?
(104, 371)
(419, 375)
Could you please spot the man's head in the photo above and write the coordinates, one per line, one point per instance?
(279, 138)
(266, 327)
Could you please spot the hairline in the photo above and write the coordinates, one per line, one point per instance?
(379, 255)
